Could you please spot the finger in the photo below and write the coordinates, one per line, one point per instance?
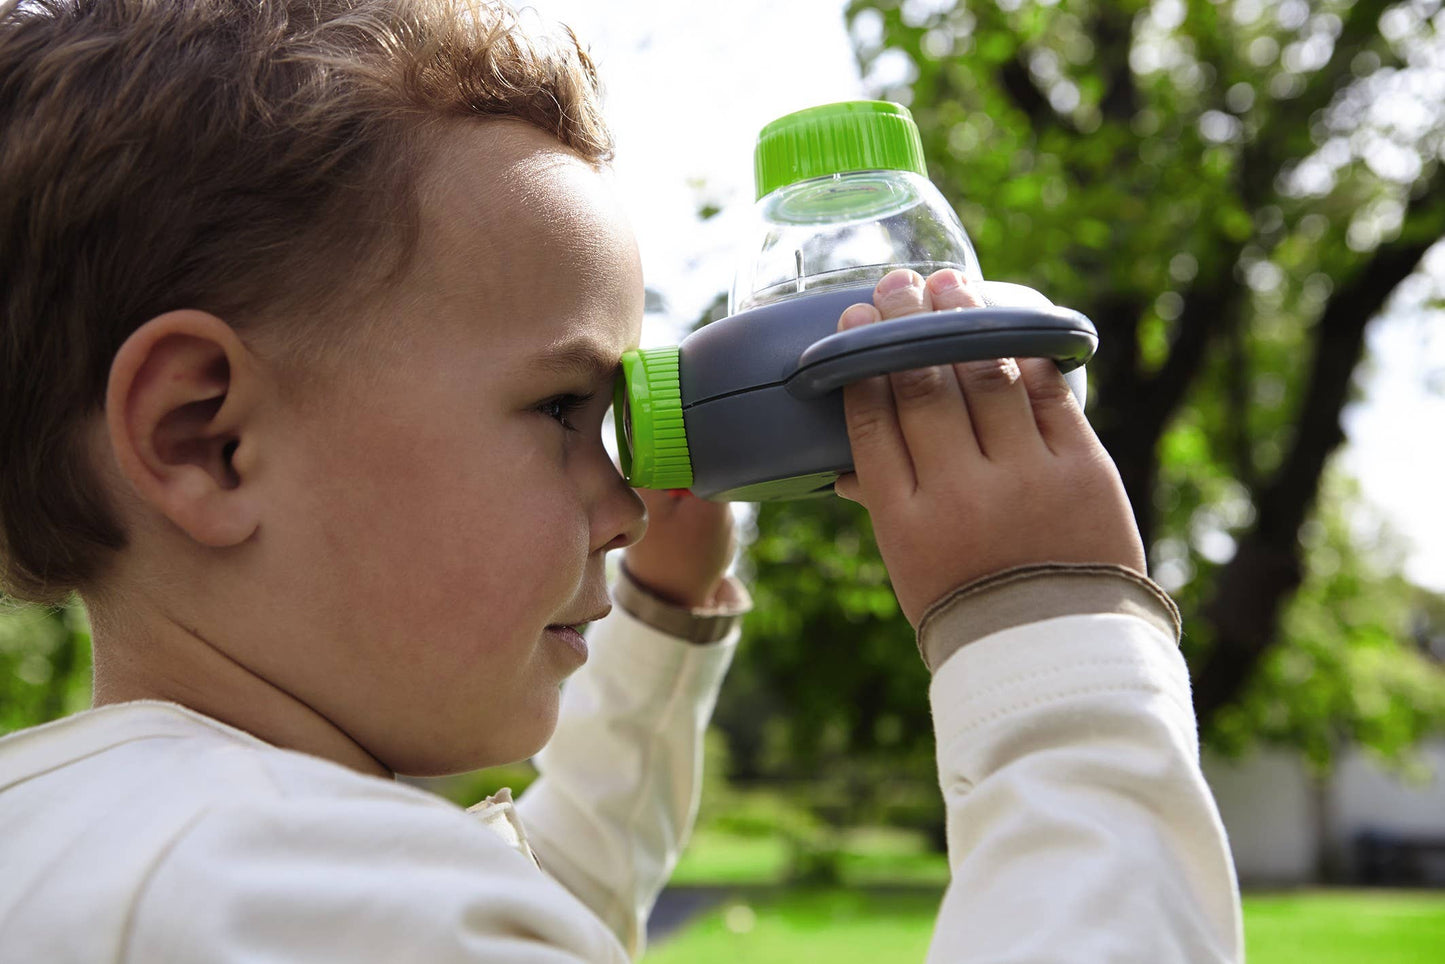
(948, 289)
(880, 457)
(998, 403)
(1002, 409)
(683, 512)
(901, 292)
(930, 403)
(1056, 412)
(934, 421)
(846, 487)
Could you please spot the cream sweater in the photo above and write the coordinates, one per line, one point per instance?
(1079, 826)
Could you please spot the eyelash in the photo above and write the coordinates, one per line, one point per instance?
(560, 408)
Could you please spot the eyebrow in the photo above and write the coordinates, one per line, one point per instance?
(578, 357)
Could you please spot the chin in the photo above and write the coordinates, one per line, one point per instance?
(476, 745)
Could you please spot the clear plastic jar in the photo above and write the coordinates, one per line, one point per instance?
(846, 228)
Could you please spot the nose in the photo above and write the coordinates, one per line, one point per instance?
(619, 518)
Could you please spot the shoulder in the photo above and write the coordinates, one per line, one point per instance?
(174, 837)
(359, 878)
(165, 759)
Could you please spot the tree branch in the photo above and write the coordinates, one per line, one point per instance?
(1214, 305)
(1263, 159)
(1236, 398)
(1015, 80)
(1112, 28)
(1254, 586)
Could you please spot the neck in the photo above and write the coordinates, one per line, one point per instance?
(159, 658)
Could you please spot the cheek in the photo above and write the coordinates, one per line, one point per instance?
(496, 527)
(419, 528)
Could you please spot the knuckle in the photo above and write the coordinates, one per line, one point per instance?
(1091, 472)
(990, 375)
(900, 293)
(917, 384)
(965, 297)
(1044, 381)
(867, 425)
(899, 306)
(951, 290)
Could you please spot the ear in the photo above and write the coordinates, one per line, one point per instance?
(179, 413)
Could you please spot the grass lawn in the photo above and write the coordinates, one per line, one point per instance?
(851, 923)
(1323, 927)
(848, 926)
(871, 855)
(837, 926)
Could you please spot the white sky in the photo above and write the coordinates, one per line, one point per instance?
(690, 83)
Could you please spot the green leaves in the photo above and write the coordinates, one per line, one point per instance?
(44, 664)
(1141, 167)
(1351, 669)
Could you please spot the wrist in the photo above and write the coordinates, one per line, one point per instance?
(709, 622)
(1031, 593)
(672, 587)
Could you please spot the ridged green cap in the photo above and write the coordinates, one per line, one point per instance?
(855, 135)
(651, 434)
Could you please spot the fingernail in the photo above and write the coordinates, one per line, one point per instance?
(856, 315)
(898, 280)
(946, 281)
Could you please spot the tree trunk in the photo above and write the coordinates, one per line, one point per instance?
(1254, 587)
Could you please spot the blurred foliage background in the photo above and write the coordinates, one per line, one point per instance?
(1232, 190)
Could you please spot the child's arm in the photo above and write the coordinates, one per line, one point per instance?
(621, 775)
(1079, 825)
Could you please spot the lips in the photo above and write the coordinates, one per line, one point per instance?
(571, 639)
(576, 625)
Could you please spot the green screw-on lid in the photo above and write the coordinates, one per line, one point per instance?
(855, 135)
(651, 433)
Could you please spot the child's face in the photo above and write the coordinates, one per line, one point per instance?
(449, 503)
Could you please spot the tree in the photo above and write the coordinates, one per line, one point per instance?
(1216, 185)
(1232, 191)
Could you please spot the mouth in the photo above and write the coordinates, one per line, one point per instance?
(577, 626)
(570, 633)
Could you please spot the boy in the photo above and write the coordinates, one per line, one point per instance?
(311, 313)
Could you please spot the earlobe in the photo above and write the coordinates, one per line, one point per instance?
(179, 407)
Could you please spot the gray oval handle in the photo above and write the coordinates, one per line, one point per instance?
(943, 337)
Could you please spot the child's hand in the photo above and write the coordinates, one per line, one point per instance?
(686, 551)
(977, 467)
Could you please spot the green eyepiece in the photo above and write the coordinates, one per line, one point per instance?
(651, 433)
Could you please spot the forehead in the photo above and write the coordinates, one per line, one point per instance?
(529, 234)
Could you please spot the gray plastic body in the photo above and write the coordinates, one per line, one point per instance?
(761, 390)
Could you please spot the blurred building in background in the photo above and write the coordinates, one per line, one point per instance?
(1364, 823)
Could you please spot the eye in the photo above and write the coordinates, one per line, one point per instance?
(561, 408)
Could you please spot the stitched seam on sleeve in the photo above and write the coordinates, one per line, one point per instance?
(699, 626)
(556, 855)
(1056, 697)
(1010, 682)
(1024, 573)
(1007, 580)
(654, 732)
(128, 925)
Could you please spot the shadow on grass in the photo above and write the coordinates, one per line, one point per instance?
(764, 924)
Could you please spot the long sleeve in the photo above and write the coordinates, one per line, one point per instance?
(619, 780)
(1079, 824)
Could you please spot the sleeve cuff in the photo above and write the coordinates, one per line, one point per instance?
(707, 624)
(1027, 594)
